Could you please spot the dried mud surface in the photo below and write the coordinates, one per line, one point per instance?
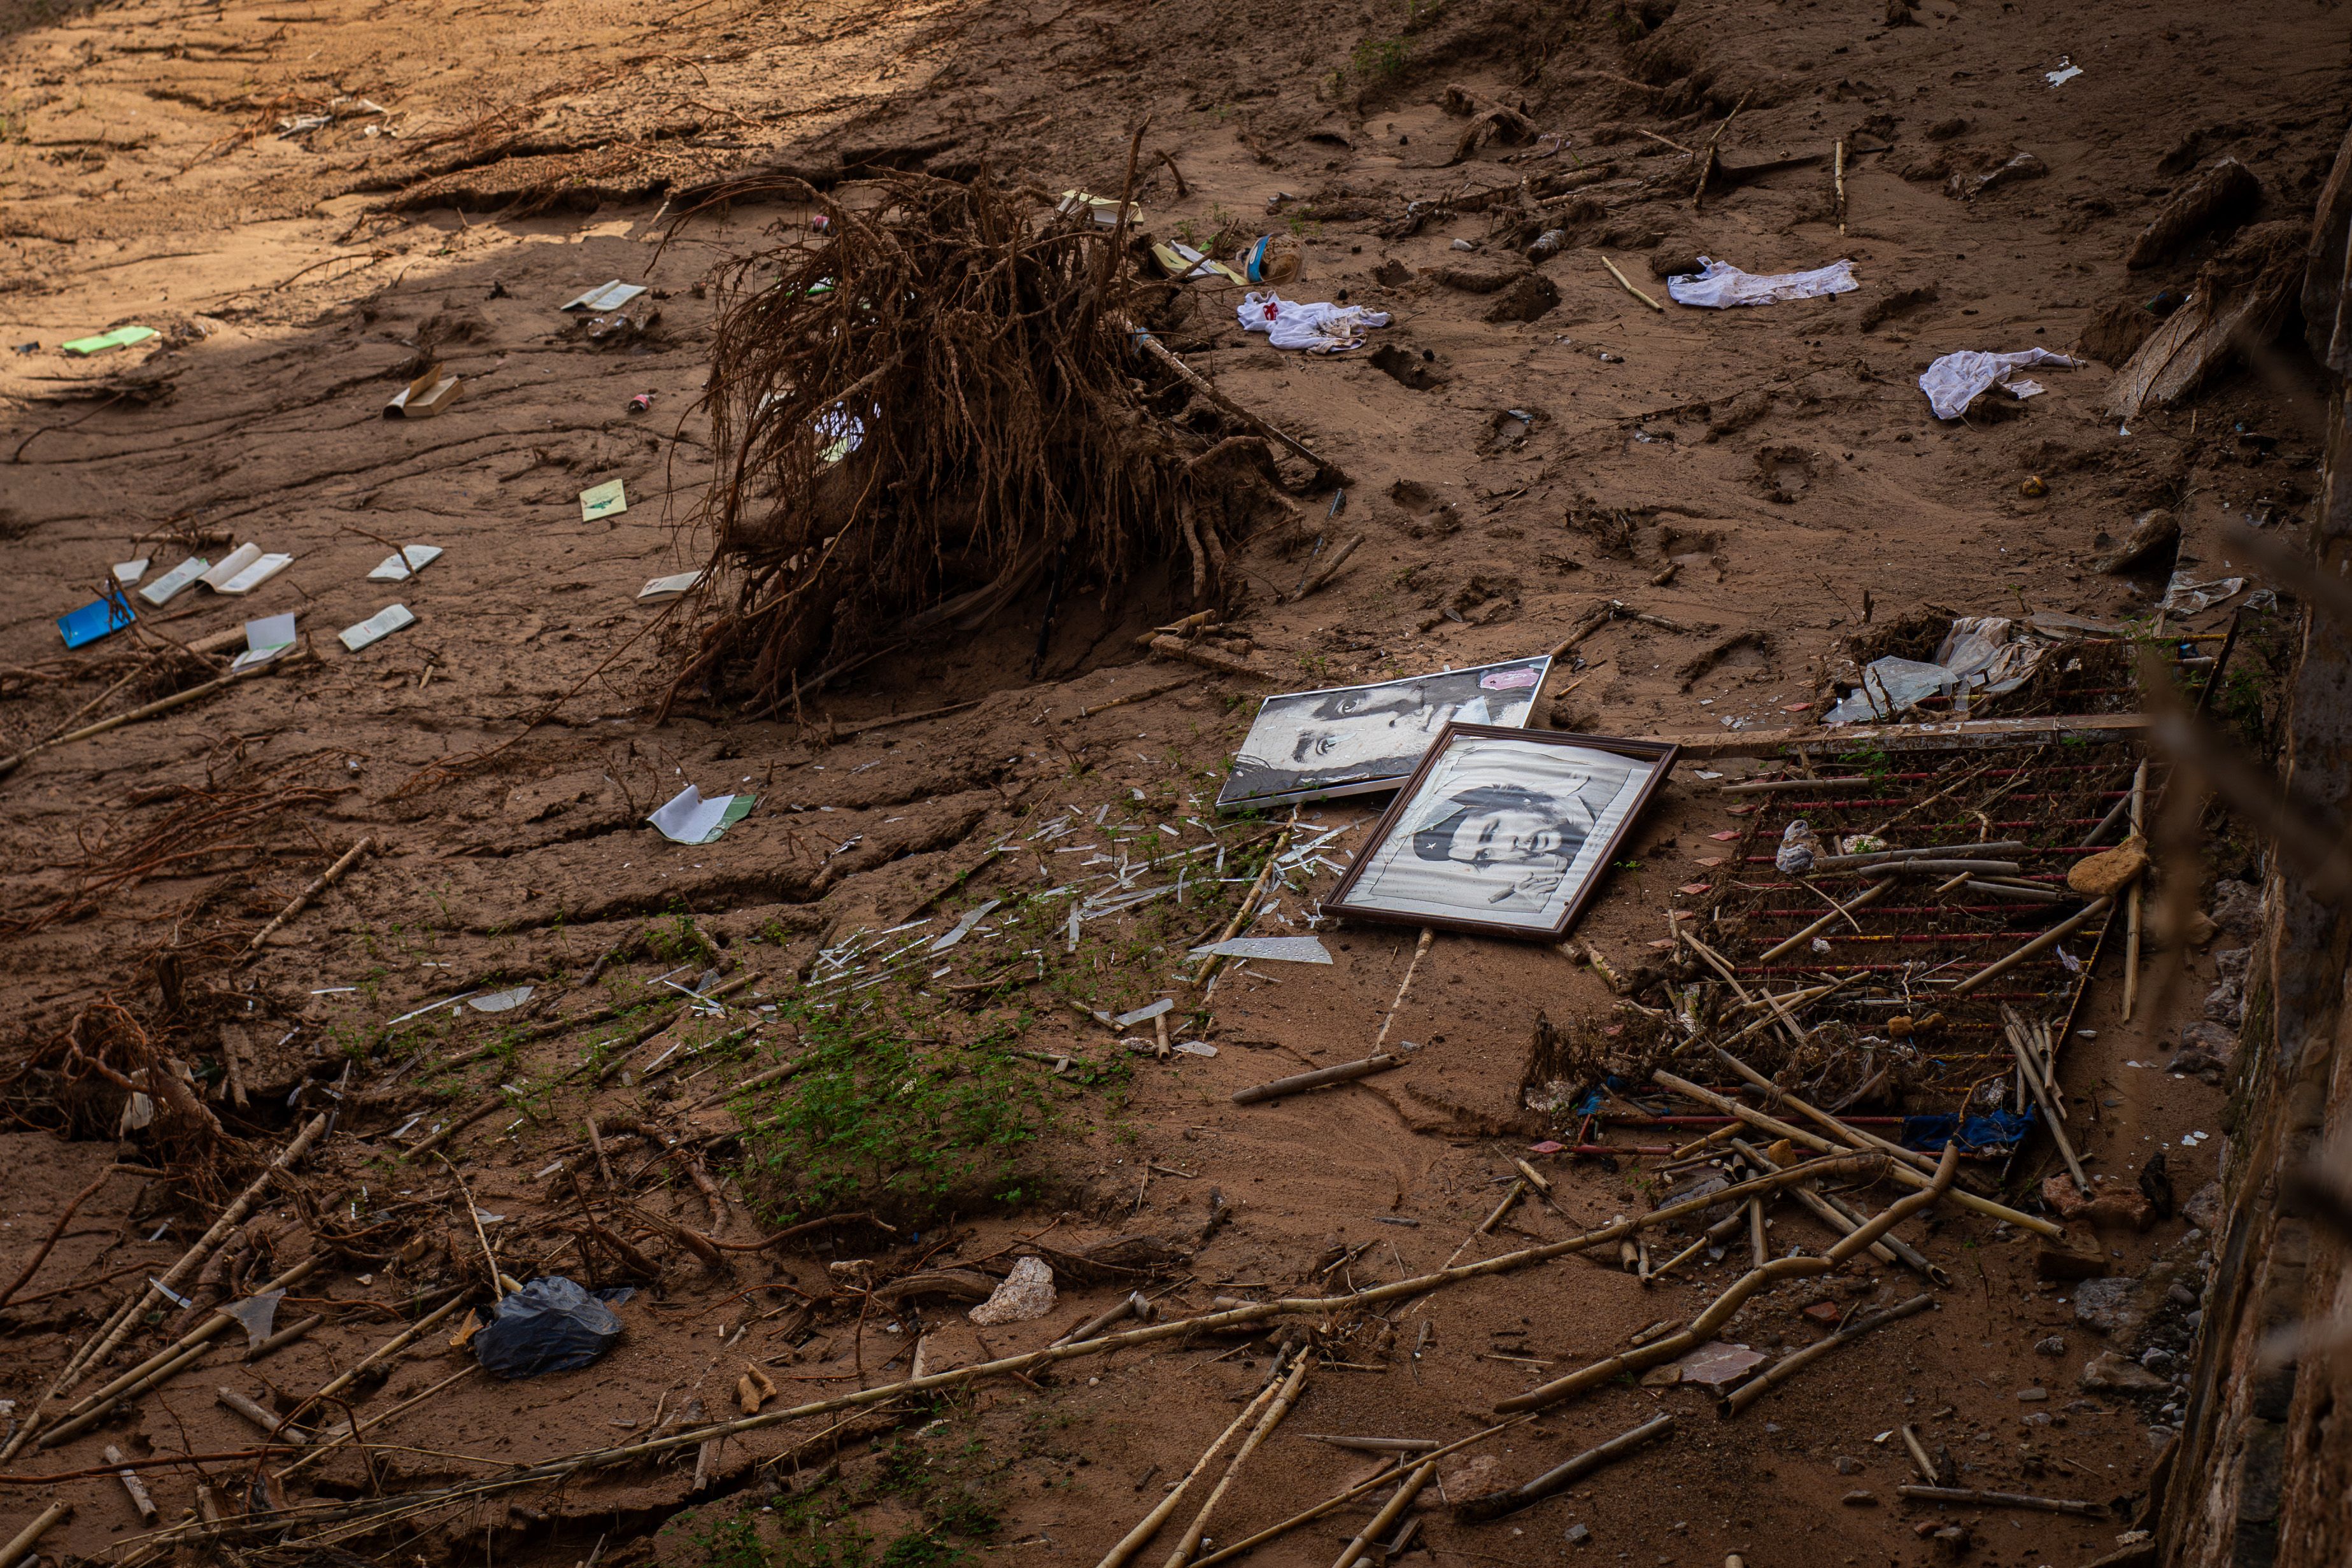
(1782, 456)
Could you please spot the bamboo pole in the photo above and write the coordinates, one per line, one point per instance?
(1248, 902)
(1388, 1515)
(1902, 1173)
(1837, 911)
(1854, 1136)
(1975, 1497)
(2043, 1095)
(1189, 1542)
(1333, 1504)
(1149, 1525)
(21, 1545)
(162, 704)
(1837, 174)
(1322, 1077)
(228, 1221)
(2048, 939)
(139, 1501)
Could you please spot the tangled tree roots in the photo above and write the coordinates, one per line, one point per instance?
(928, 408)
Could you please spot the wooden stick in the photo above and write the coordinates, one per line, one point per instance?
(325, 880)
(131, 1484)
(1924, 853)
(1149, 1525)
(1788, 1366)
(1837, 911)
(1911, 1256)
(1629, 287)
(203, 1332)
(229, 1219)
(75, 1425)
(1837, 174)
(2029, 1070)
(353, 1429)
(1902, 1173)
(2048, 939)
(1345, 1072)
(1975, 1497)
(1199, 383)
(1333, 1504)
(1706, 158)
(1757, 1249)
(1843, 1167)
(1189, 1542)
(1329, 570)
(1495, 1505)
(1814, 1203)
(1375, 1444)
(489, 1258)
(21, 1545)
(2131, 905)
(1926, 1466)
(1389, 1513)
(1519, 1188)
(1420, 951)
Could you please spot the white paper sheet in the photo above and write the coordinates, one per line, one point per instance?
(376, 627)
(1276, 950)
(127, 572)
(661, 588)
(689, 819)
(418, 558)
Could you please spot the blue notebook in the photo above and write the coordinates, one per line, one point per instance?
(100, 619)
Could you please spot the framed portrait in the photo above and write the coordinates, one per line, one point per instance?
(1359, 740)
(1503, 832)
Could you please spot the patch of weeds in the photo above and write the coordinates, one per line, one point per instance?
(879, 1118)
(680, 941)
(1378, 60)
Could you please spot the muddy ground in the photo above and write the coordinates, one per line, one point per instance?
(477, 166)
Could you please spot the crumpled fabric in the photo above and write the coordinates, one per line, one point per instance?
(1953, 382)
(1320, 329)
(1981, 655)
(2187, 593)
(1719, 284)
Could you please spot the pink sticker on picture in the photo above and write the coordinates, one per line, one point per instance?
(1509, 680)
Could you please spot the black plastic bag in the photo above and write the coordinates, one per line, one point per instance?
(549, 1325)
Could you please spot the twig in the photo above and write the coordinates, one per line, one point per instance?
(301, 901)
(1298, 1083)
(1837, 176)
(2132, 899)
(1977, 1498)
(1788, 1366)
(21, 1545)
(1420, 951)
(1496, 1504)
(489, 1258)
(1838, 912)
(42, 1251)
(1706, 159)
(1629, 287)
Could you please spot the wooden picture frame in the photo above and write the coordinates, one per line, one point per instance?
(1503, 832)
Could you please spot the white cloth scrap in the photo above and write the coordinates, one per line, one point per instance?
(1320, 329)
(1953, 382)
(1718, 285)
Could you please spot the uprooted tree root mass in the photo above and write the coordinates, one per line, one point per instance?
(931, 406)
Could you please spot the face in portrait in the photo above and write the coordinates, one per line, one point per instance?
(1366, 737)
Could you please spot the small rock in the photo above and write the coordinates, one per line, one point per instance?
(1026, 1294)
(1860, 1498)
(2107, 1372)
(1847, 1464)
(2215, 1039)
(2181, 1295)
(2055, 1346)
(2149, 534)
(2057, 1262)
(2038, 1419)
(2203, 1208)
(2033, 1395)
(1823, 1311)
(2238, 909)
(1952, 1539)
(1717, 1365)
(1578, 1535)
(2106, 1305)
(1479, 1477)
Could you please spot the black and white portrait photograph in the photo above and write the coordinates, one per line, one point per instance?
(1357, 740)
(1502, 831)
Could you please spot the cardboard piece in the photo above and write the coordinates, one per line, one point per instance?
(264, 640)
(662, 588)
(426, 396)
(256, 572)
(686, 818)
(160, 591)
(127, 572)
(376, 627)
(411, 559)
(609, 499)
(99, 617)
(122, 337)
(606, 296)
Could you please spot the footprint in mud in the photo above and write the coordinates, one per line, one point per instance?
(1420, 372)
(1785, 471)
